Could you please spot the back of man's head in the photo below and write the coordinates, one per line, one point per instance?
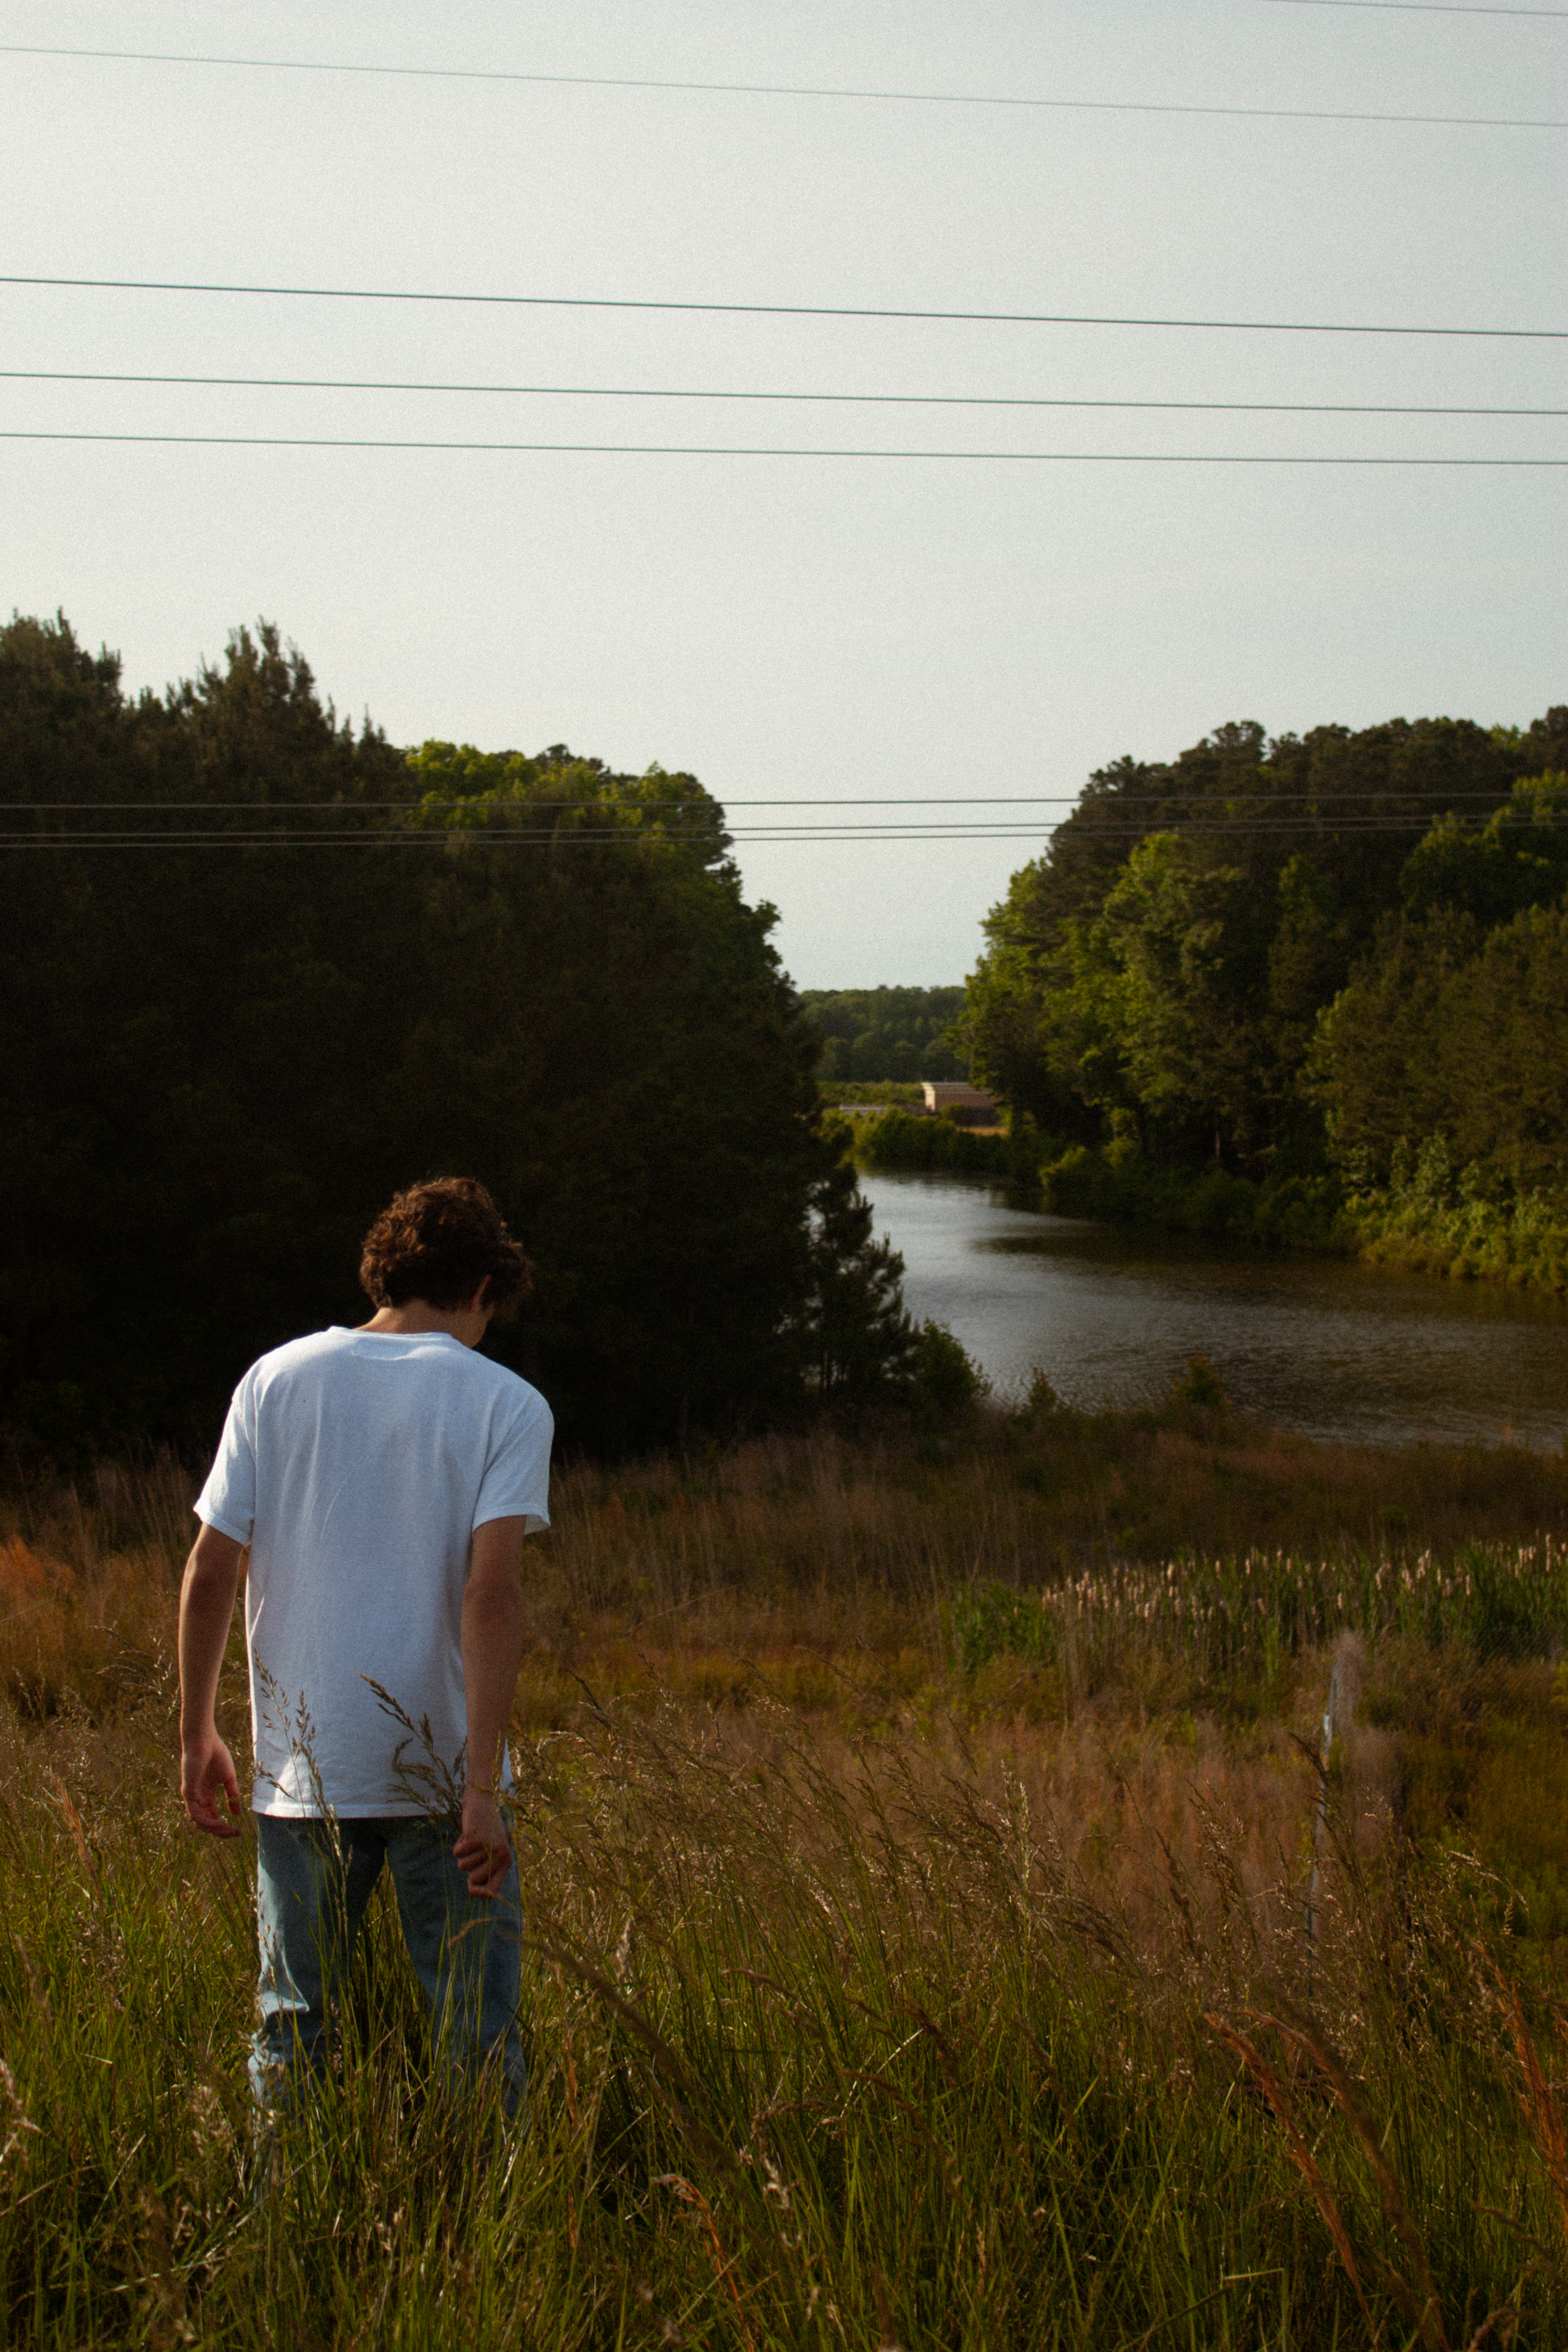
(438, 1242)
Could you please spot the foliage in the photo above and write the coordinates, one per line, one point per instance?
(1165, 978)
(1442, 1068)
(1470, 1222)
(885, 1091)
(1157, 976)
(944, 1380)
(1121, 1185)
(994, 1620)
(901, 1033)
(860, 1348)
(1518, 858)
(224, 1051)
(1454, 1032)
(1201, 1387)
(897, 1140)
(1124, 1186)
(855, 1338)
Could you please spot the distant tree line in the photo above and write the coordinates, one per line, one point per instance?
(260, 968)
(1342, 955)
(897, 1033)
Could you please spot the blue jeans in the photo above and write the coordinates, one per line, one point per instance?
(314, 1879)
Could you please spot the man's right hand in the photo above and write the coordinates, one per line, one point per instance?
(206, 1772)
(483, 1852)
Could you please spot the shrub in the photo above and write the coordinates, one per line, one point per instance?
(988, 1621)
(945, 1381)
(1202, 1386)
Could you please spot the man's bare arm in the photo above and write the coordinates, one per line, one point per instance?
(206, 1608)
(493, 1632)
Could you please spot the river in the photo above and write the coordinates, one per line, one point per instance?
(1110, 1314)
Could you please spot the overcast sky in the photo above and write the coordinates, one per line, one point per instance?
(792, 626)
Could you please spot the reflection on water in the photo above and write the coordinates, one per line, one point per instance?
(1111, 1315)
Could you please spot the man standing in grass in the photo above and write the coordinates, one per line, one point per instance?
(384, 1480)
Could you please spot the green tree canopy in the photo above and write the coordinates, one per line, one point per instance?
(1166, 962)
(260, 969)
(1518, 858)
(900, 1034)
(1454, 1034)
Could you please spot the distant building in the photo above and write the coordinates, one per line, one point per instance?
(966, 1105)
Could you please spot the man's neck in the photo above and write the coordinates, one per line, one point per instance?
(416, 1316)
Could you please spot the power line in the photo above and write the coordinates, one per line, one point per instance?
(1030, 841)
(778, 836)
(779, 309)
(1428, 7)
(785, 89)
(721, 449)
(1492, 797)
(861, 399)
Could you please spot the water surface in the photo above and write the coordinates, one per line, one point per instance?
(1110, 1314)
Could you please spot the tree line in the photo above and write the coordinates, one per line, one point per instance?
(888, 1034)
(260, 968)
(1342, 955)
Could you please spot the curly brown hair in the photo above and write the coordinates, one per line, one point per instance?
(437, 1242)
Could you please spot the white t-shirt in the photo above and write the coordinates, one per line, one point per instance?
(357, 1465)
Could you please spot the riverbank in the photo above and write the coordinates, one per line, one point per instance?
(1470, 1224)
(1433, 1218)
(938, 1929)
(1119, 1186)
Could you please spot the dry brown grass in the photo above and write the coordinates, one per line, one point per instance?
(811, 1581)
(808, 1583)
(845, 1928)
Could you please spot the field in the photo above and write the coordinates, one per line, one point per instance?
(944, 1926)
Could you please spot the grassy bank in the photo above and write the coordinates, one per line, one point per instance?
(917, 1839)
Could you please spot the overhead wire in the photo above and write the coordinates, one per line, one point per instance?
(779, 89)
(724, 449)
(848, 399)
(716, 833)
(1426, 7)
(1491, 798)
(778, 309)
(627, 839)
(860, 829)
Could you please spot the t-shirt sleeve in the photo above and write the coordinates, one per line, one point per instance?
(228, 1501)
(516, 1484)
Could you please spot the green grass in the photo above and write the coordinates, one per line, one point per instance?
(916, 1949)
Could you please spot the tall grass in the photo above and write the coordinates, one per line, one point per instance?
(916, 1952)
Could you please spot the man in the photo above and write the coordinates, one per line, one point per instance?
(384, 1480)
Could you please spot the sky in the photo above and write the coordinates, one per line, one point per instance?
(802, 627)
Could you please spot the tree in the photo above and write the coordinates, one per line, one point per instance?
(1180, 974)
(1518, 858)
(1179, 990)
(856, 1341)
(1451, 1033)
(1370, 1067)
(874, 1033)
(340, 968)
